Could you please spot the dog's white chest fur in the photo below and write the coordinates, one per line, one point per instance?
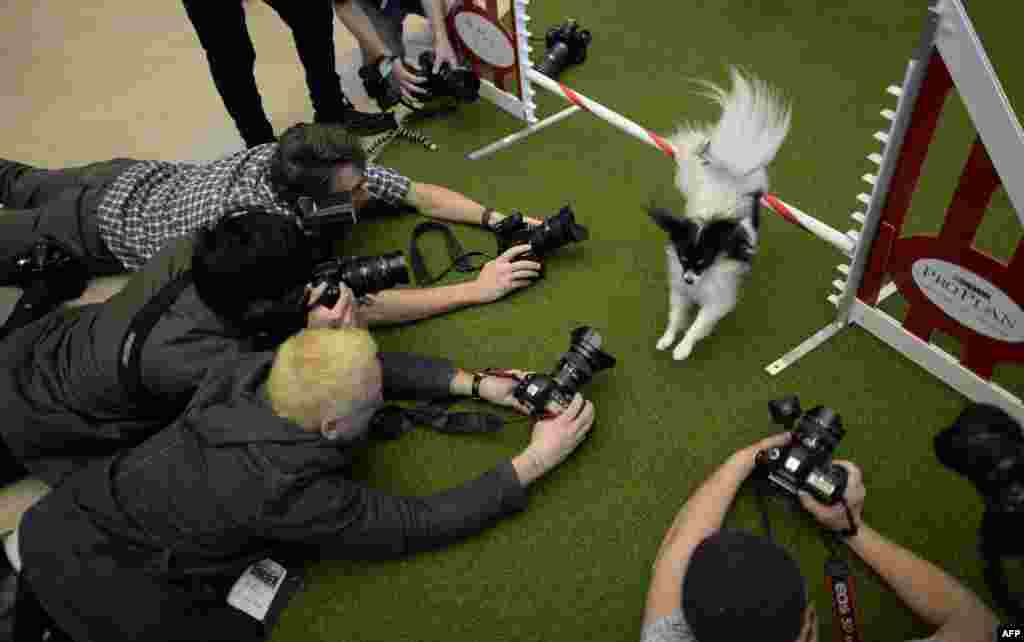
(717, 286)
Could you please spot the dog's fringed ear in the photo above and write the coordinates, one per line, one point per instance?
(667, 221)
(740, 247)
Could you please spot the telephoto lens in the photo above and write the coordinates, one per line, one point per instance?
(362, 274)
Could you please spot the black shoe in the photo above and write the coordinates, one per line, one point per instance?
(51, 262)
(360, 123)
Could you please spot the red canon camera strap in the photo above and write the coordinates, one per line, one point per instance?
(844, 604)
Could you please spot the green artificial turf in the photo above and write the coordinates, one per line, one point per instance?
(576, 564)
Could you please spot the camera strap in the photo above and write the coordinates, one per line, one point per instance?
(391, 422)
(130, 352)
(459, 256)
(837, 573)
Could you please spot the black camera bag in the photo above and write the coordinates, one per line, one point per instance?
(984, 426)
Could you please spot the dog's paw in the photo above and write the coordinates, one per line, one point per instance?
(682, 351)
(664, 342)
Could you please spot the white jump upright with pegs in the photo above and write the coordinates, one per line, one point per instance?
(949, 285)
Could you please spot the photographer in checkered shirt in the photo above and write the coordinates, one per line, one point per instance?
(112, 216)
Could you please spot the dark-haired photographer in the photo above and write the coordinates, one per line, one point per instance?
(118, 214)
(82, 383)
(710, 584)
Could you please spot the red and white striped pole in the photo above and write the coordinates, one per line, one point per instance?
(837, 239)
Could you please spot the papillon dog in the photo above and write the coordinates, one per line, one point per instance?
(721, 172)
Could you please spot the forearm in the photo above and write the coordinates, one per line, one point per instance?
(414, 376)
(356, 21)
(367, 523)
(703, 514)
(444, 204)
(400, 305)
(931, 593)
(435, 10)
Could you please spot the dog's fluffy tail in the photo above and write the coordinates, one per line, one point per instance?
(755, 121)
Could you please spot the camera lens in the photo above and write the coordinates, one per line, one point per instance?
(556, 231)
(374, 273)
(583, 359)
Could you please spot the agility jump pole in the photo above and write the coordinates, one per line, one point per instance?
(830, 235)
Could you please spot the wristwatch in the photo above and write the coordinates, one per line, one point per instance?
(477, 378)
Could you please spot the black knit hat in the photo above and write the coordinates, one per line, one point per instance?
(737, 583)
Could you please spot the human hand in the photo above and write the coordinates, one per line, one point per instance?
(834, 517)
(555, 438)
(500, 276)
(443, 53)
(498, 388)
(409, 82)
(342, 315)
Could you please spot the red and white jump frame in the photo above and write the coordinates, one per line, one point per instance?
(949, 285)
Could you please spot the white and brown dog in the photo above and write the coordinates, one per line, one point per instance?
(722, 173)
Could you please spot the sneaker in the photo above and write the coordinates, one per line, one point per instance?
(360, 123)
(52, 262)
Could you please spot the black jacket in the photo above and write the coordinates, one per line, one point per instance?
(63, 401)
(226, 484)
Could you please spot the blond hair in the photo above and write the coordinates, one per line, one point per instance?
(318, 370)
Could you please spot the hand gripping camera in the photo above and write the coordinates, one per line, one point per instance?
(362, 274)
(805, 462)
(381, 84)
(556, 231)
(575, 368)
(566, 45)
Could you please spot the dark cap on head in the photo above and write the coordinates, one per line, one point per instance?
(739, 584)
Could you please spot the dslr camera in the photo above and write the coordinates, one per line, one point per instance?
(805, 462)
(566, 45)
(575, 368)
(556, 231)
(328, 218)
(460, 84)
(362, 274)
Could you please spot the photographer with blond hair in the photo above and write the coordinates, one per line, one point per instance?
(257, 461)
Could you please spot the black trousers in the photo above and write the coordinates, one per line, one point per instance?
(221, 27)
(57, 202)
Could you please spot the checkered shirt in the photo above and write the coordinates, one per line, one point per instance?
(153, 202)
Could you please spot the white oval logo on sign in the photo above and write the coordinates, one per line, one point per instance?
(970, 299)
(484, 39)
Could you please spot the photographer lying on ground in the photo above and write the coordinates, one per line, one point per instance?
(709, 584)
(258, 461)
(116, 215)
(67, 398)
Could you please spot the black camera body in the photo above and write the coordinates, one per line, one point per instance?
(362, 274)
(460, 84)
(449, 82)
(327, 219)
(805, 462)
(575, 368)
(556, 231)
(566, 45)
